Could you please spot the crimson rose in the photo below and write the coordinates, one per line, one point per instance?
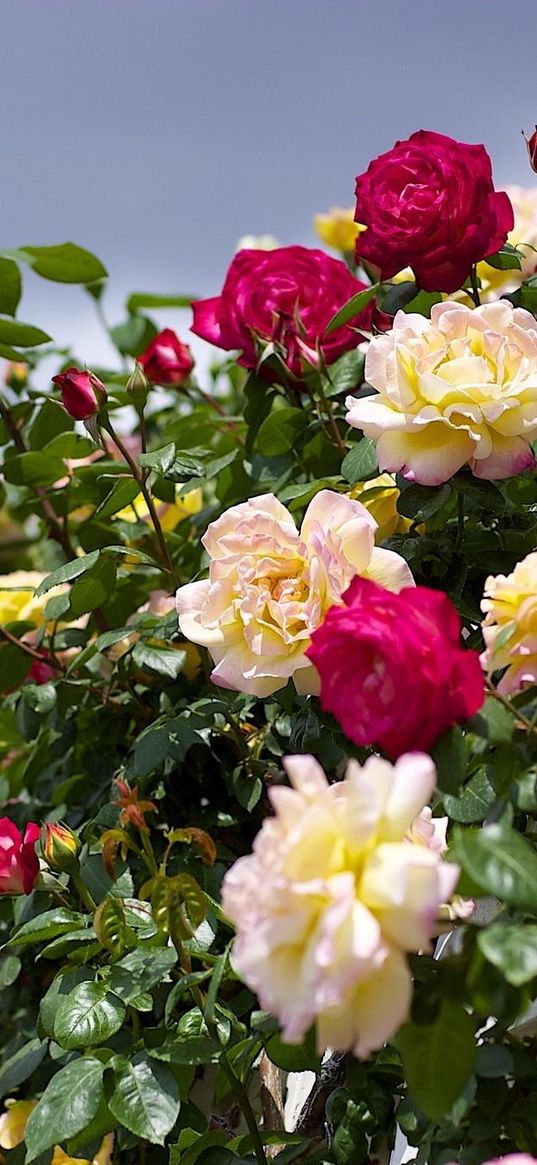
(287, 296)
(429, 203)
(392, 669)
(19, 863)
(166, 360)
(83, 394)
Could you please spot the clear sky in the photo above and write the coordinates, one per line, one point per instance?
(156, 132)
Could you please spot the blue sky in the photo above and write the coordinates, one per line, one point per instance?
(156, 132)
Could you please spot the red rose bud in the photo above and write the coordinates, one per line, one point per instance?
(531, 144)
(83, 394)
(41, 672)
(430, 204)
(166, 359)
(19, 863)
(287, 297)
(60, 847)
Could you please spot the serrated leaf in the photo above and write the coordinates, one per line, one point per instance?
(141, 970)
(168, 662)
(352, 308)
(145, 1098)
(123, 491)
(159, 459)
(513, 949)
(47, 926)
(360, 462)
(438, 1058)
(89, 1015)
(67, 1105)
(69, 571)
(474, 800)
(33, 469)
(278, 433)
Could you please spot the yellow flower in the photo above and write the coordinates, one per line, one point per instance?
(379, 496)
(13, 1127)
(169, 513)
(338, 229)
(17, 599)
(523, 235)
(510, 625)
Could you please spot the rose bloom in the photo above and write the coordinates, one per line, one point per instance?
(287, 296)
(19, 864)
(13, 1128)
(510, 625)
(17, 599)
(458, 389)
(169, 513)
(392, 670)
(379, 495)
(166, 360)
(270, 585)
(332, 896)
(338, 229)
(523, 236)
(83, 394)
(429, 204)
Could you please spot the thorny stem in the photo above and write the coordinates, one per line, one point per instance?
(475, 289)
(31, 651)
(528, 724)
(139, 477)
(338, 439)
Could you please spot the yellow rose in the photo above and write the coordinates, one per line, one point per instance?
(510, 625)
(379, 496)
(13, 1127)
(169, 513)
(338, 229)
(17, 600)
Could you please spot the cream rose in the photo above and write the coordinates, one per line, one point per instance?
(458, 389)
(336, 890)
(270, 585)
(510, 625)
(17, 599)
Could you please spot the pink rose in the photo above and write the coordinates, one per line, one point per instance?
(83, 394)
(287, 296)
(166, 359)
(392, 670)
(19, 864)
(429, 203)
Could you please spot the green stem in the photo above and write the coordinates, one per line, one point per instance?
(148, 853)
(139, 478)
(244, 1102)
(338, 439)
(475, 289)
(460, 521)
(83, 891)
(529, 725)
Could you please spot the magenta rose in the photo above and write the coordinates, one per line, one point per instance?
(429, 204)
(287, 296)
(83, 394)
(392, 670)
(19, 864)
(166, 359)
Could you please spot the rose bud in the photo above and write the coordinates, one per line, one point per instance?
(19, 863)
(83, 394)
(16, 375)
(166, 359)
(60, 847)
(531, 144)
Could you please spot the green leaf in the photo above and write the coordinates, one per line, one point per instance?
(33, 469)
(494, 722)
(500, 861)
(47, 926)
(23, 335)
(278, 433)
(67, 1105)
(423, 302)
(352, 308)
(88, 1015)
(360, 462)
(101, 643)
(69, 445)
(132, 337)
(10, 286)
(449, 755)
(512, 949)
(165, 662)
(145, 1098)
(398, 296)
(186, 1049)
(68, 572)
(21, 1065)
(438, 1058)
(421, 501)
(146, 299)
(63, 263)
(347, 373)
(475, 798)
(93, 588)
(160, 460)
(141, 970)
(508, 258)
(294, 1057)
(124, 491)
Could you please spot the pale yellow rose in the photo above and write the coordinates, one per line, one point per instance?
(13, 1127)
(17, 599)
(335, 892)
(338, 229)
(270, 586)
(524, 236)
(379, 495)
(458, 389)
(169, 513)
(510, 625)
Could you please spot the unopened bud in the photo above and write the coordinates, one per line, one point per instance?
(531, 144)
(16, 374)
(138, 387)
(60, 847)
(83, 394)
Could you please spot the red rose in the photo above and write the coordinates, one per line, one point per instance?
(430, 204)
(83, 394)
(166, 359)
(392, 669)
(19, 864)
(287, 296)
(532, 149)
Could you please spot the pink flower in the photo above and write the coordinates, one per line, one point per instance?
(334, 893)
(83, 394)
(287, 296)
(19, 864)
(430, 204)
(392, 669)
(41, 671)
(166, 360)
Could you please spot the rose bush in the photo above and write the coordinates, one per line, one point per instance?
(210, 875)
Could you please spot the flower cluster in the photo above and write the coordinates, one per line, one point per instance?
(346, 892)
